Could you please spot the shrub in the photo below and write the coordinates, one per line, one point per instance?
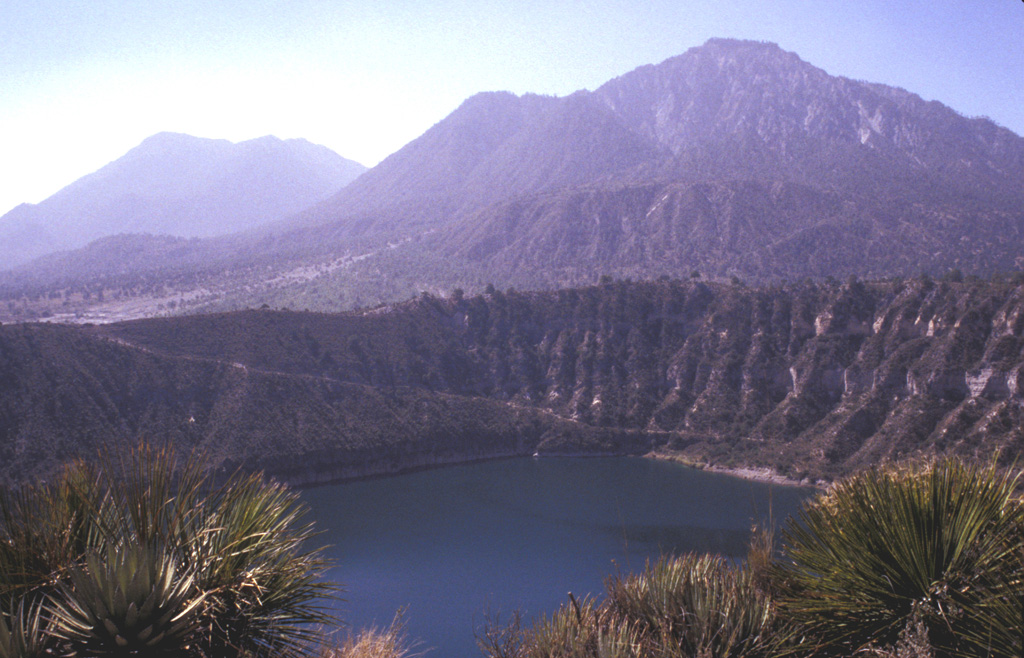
(390, 642)
(692, 605)
(149, 555)
(580, 629)
(936, 541)
(697, 605)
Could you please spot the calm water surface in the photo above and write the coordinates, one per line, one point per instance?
(451, 545)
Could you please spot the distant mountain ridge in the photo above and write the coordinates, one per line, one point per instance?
(178, 185)
(728, 110)
(736, 158)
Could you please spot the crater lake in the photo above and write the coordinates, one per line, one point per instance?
(453, 546)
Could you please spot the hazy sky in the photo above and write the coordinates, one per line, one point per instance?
(83, 81)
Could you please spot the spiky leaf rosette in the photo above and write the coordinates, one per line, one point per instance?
(574, 631)
(129, 600)
(243, 544)
(22, 631)
(252, 557)
(698, 605)
(45, 528)
(940, 538)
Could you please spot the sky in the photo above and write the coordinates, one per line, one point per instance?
(84, 81)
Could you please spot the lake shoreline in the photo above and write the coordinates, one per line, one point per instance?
(753, 473)
(352, 474)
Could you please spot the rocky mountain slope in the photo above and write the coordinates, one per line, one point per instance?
(811, 379)
(726, 112)
(767, 167)
(178, 185)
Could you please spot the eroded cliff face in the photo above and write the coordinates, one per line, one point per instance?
(809, 379)
(806, 379)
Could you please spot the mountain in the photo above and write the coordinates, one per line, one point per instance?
(736, 158)
(812, 380)
(728, 113)
(769, 168)
(178, 185)
(729, 108)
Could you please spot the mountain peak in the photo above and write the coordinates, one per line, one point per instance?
(176, 139)
(739, 45)
(266, 141)
(167, 137)
(178, 184)
(734, 157)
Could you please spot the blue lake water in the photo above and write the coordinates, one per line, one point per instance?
(455, 544)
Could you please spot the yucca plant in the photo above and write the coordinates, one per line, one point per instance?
(45, 529)
(938, 538)
(244, 542)
(155, 498)
(22, 632)
(579, 629)
(1004, 634)
(698, 605)
(240, 547)
(252, 556)
(130, 600)
(574, 631)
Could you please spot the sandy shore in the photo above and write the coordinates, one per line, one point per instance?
(756, 474)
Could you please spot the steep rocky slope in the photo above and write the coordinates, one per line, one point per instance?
(774, 110)
(808, 379)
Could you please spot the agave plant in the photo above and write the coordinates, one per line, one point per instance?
(22, 632)
(128, 601)
(698, 605)
(938, 540)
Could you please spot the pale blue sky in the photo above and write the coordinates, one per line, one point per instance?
(83, 81)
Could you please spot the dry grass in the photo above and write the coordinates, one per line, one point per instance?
(390, 642)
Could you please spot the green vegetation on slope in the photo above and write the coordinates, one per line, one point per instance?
(939, 543)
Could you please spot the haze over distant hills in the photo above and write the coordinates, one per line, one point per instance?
(734, 159)
(178, 185)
